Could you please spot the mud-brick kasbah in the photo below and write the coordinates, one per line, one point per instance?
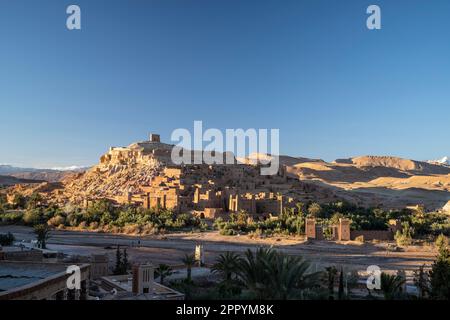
(213, 191)
(209, 191)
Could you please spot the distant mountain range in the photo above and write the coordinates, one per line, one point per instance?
(29, 174)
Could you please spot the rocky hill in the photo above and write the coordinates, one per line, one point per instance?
(120, 170)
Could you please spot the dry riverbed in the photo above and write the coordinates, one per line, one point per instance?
(171, 248)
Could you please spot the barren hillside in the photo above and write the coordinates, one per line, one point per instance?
(387, 181)
(417, 167)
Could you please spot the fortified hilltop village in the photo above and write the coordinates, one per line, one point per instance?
(211, 190)
(143, 175)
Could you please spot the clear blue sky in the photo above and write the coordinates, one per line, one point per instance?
(310, 68)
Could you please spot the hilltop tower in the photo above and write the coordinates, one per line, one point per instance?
(154, 137)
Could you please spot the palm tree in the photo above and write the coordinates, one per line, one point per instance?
(42, 232)
(391, 285)
(189, 261)
(227, 264)
(268, 274)
(300, 208)
(289, 276)
(253, 271)
(162, 272)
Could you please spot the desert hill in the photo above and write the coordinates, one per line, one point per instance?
(417, 167)
(255, 158)
(389, 181)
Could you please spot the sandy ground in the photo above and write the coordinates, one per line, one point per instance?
(171, 248)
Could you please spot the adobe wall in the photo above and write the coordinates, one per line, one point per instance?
(310, 228)
(213, 213)
(372, 234)
(273, 206)
(344, 230)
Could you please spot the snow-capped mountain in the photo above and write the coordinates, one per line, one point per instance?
(70, 168)
(9, 169)
(444, 161)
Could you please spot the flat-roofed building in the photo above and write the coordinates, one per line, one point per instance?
(138, 286)
(27, 280)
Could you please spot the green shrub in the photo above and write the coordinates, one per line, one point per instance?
(19, 201)
(56, 221)
(73, 219)
(228, 232)
(33, 217)
(14, 217)
(404, 237)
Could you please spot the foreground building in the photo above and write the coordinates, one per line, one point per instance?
(140, 285)
(27, 280)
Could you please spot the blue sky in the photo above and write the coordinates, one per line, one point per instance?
(310, 68)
